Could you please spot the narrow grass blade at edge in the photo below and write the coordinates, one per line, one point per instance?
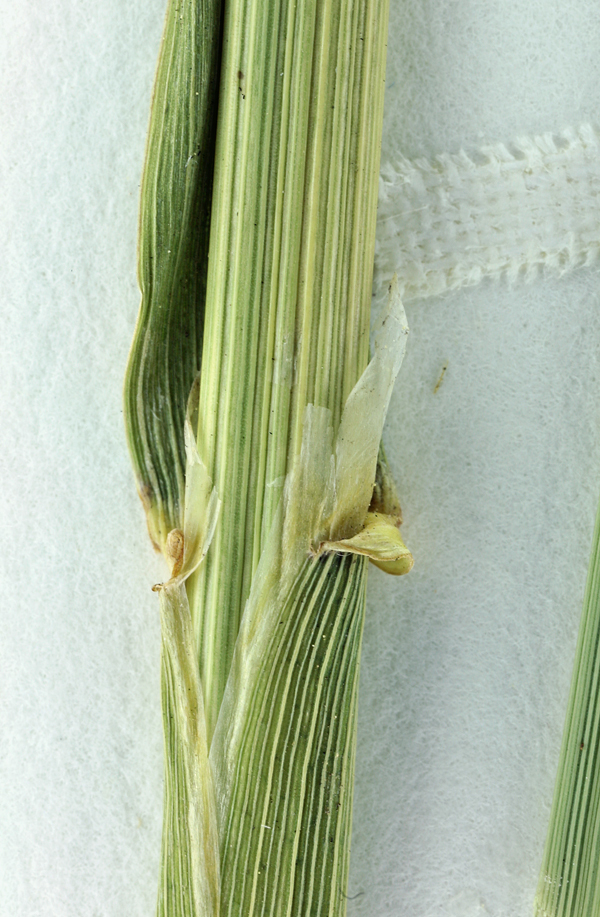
(569, 884)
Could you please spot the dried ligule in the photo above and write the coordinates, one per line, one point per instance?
(174, 550)
(379, 540)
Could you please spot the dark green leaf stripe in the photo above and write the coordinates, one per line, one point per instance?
(173, 255)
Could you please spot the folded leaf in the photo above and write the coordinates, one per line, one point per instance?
(173, 257)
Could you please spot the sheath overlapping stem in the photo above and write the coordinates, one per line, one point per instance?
(286, 826)
(290, 271)
(260, 746)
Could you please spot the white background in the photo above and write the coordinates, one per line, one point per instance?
(467, 661)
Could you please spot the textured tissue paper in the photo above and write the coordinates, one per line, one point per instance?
(467, 660)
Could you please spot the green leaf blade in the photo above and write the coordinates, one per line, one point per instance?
(569, 884)
(173, 256)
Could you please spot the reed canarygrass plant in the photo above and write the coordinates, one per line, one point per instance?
(254, 420)
(569, 884)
